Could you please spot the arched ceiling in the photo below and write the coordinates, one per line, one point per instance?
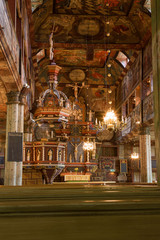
(92, 39)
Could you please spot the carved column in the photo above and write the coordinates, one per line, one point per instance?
(156, 77)
(43, 153)
(145, 155)
(94, 150)
(11, 126)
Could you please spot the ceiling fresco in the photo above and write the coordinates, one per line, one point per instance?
(104, 7)
(82, 29)
(94, 41)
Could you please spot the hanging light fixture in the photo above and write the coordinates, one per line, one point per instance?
(88, 146)
(134, 155)
(110, 120)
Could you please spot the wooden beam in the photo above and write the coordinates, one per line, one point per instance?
(123, 46)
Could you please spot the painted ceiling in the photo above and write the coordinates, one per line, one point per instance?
(93, 40)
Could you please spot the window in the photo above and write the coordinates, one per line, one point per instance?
(122, 59)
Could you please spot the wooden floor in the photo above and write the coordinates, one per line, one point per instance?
(77, 211)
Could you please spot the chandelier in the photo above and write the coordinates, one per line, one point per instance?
(110, 120)
(134, 155)
(88, 146)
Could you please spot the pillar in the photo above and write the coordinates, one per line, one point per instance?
(156, 77)
(145, 155)
(21, 130)
(94, 150)
(11, 126)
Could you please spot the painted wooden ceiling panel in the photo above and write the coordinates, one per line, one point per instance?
(84, 31)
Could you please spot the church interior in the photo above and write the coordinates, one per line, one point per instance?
(76, 92)
(79, 119)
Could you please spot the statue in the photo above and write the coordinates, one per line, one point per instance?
(38, 154)
(70, 158)
(77, 113)
(51, 49)
(50, 155)
(28, 155)
(61, 102)
(81, 158)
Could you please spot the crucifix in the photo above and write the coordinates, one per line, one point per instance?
(75, 88)
(75, 150)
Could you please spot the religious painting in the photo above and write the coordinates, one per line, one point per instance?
(96, 76)
(106, 163)
(78, 57)
(148, 108)
(71, 57)
(79, 30)
(141, 20)
(123, 31)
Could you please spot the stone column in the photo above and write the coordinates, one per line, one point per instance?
(156, 77)
(11, 126)
(145, 155)
(21, 130)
